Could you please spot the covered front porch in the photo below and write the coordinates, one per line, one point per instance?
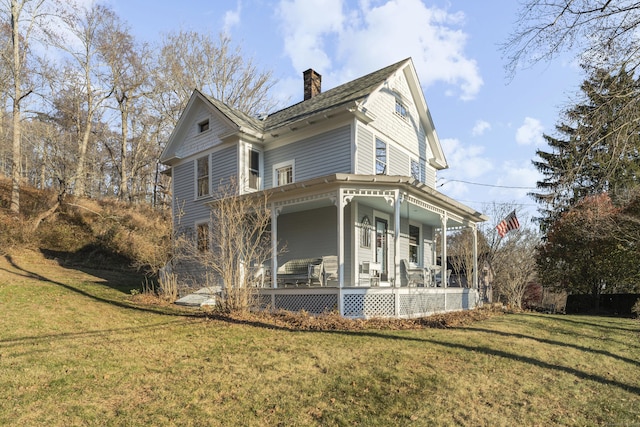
(365, 246)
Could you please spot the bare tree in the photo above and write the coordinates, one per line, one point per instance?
(87, 27)
(190, 60)
(511, 259)
(602, 33)
(232, 247)
(27, 19)
(128, 65)
(460, 254)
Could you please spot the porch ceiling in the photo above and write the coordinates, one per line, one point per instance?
(419, 202)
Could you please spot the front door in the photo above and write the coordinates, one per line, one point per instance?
(381, 246)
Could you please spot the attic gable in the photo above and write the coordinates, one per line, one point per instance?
(404, 87)
(186, 140)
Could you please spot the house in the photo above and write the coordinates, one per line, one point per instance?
(351, 175)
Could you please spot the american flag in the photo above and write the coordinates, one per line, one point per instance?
(509, 223)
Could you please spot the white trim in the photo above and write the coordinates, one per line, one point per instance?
(197, 196)
(420, 171)
(202, 123)
(282, 165)
(374, 247)
(375, 155)
(244, 163)
(420, 242)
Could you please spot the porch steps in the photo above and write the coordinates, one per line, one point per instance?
(201, 297)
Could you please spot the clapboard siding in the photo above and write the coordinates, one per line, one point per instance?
(224, 166)
(364, 151)
(195, 141)
(187, 210)
(316, 241)
(399, 163)
(320, 155)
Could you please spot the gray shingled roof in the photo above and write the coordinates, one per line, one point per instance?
(344, 94)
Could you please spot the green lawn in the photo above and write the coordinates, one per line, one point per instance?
(75, 350)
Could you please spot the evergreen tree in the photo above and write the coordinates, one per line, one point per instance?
(598, 147)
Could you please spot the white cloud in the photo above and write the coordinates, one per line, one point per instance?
(306, 24)
(518, 180)
(346, 41)
(480, 127)
(232, 18)
(530, 133)
(467, 163)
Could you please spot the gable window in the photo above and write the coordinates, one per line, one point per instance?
(202, 236)
(401, 110)
(415, 170)
(283, 173)
(254, 169)
(381, 157)
(202, 176)
(203, 126)
(414, 244)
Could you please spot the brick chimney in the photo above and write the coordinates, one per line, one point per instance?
(312, 83)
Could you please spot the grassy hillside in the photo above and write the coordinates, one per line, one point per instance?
(83, 232)
(77, 349)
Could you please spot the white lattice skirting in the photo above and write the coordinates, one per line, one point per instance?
(365, 303)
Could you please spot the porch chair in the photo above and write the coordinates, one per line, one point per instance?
(412, 276)
(329, 269)
(438, 277)
(370, 271)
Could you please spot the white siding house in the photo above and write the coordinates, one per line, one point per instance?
(355, 170)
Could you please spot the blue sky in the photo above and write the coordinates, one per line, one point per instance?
(489, 126)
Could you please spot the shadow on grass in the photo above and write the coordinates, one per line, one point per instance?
(100, 262)
(482, 350)
(513, 356)
(604, 324)
(19, 341)
(114, 302)
(556, 343)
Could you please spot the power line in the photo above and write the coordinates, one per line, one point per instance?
(486, 185)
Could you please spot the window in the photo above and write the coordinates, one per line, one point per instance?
(401, 110)
(415, 170)
(365, 237)
(283, 174)
(203, 237)
(203, 126)
(381, 157)
(202, 176)
(254, 169)
(414, 244)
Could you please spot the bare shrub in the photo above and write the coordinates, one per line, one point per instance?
(229, 250)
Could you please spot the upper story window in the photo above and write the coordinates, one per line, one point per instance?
(416, 170)
(401, 110)
(203, 126)
(381, 157)
(202, 176)
(283, 173)
(254, 169)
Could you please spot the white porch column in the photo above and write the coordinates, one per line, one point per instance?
(474, 233)
(274, 246)
(340, 203)
(443, 252)
(396, 238)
